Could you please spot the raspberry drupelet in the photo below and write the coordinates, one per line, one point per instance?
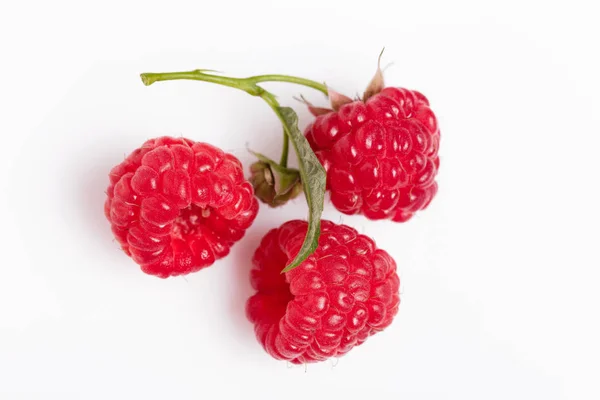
(346, 291)
(175, 205)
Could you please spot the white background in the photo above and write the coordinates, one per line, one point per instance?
(499, 276)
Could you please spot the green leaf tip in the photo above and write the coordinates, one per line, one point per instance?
(313, 178)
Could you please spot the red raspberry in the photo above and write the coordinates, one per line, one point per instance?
(344, 292)
(176, 206)
(381, 155)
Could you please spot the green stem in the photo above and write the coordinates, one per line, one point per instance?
(272, 102)
(198, 75)
(248, 85)
(240, 83)
(290, 79)
(284, 153)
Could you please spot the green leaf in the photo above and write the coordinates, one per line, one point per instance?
(313, 178)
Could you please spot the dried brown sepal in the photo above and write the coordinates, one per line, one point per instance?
(376, 85)
(337, 99)
(315, 111)
(273, 184)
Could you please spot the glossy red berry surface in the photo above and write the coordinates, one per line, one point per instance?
(381, 155)
(175, 206)
(343, 293)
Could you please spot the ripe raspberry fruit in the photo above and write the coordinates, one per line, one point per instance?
(346, 291)
(380, 153)
(175, 206)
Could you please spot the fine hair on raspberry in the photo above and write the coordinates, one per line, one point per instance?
(175, 205)
(346, 291)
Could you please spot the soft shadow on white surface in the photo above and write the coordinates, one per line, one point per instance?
(90, 175)
(239, 278)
